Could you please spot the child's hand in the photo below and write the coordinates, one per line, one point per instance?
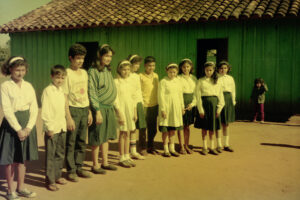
(70, 124)
(21, 135)
(90, 118)
(50, 134)
(27, 131)
(163, 114)
(189, 107)
(183, 111)
(121, 120)
(217, 115)
(99, 118)
(201, 115)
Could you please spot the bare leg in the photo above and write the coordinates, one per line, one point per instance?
(165, 142)
(180, 139)
(10, 174)
(126, 143)
(172, 141)
(21, 176)
(104, 153)
(121, 143)
(95, 156)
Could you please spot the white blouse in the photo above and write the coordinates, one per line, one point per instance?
(228, 85)
(136, 83)
(15, 98)
(53, 109)
(188, 85)
(206, 87)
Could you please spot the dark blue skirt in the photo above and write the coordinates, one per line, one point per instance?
(228, 111)
(189, 115)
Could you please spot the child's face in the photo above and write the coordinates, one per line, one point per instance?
(172, 73)
(149, 67)
(106, 58)
(209, 71)
(125, 71)
(186, 68)
(17, 73)
(77, 61)
(223, 70)
(136, 66)
(258, 85)
(58, 79)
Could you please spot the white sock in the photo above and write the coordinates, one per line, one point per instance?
(127, 157)
(133, 150)
(122, 158)
(172, 147)
(219, 141)
(205, 143)
(226, 138)
(212, 144)
(166, 148)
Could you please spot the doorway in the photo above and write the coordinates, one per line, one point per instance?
(91, 55)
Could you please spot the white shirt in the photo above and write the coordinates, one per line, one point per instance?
(206, 87)
(136, 83)
(228, 85)
(15, 98)
(53, 109)
(188, 85)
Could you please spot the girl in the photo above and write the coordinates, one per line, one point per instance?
(258, 98)
(17, 132)
(210, 102)
(126, 106)
(171, 108)
(228, 112)
(135, 61)
(188, 82)
(102, 94)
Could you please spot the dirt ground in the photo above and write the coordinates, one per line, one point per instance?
(265, 165)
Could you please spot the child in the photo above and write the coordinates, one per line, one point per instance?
(77, 112)
(17, 132)
(228, 112)
(102, 94)
(171, 108)
(55, 125)
(258, 98)
(135, 61)
(149, 85)
(126, 106)
(210, 102)
(188, 82)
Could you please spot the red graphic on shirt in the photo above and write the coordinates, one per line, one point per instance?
(82, 91)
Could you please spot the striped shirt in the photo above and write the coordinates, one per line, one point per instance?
(102, 89)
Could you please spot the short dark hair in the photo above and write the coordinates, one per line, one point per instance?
(77, 49)
(149, 59)
(13, 61)
(258, 80)
(183, 62)
(58, 70)
(223, 62)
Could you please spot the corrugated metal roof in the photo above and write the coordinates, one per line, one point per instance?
(70, 14)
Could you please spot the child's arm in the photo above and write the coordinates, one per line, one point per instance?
(92, 91)
(233, 92)
(265, 87)
(221, 102)
(46, 112)
(69, 119)
(199, 99)
(33, 110)
(161, 99)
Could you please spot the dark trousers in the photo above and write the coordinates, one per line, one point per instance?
(151, 120)
(259, 108)
(55, 154)
(75, 142)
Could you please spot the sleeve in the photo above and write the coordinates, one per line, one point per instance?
(65, 86)
(46, 111)
(8, 110)
(198, 97)
(139, 91)
(265, 87)
(92, 90)
(194, 101)
(233, 92)
(117, 101)
(221, 101)
(161, 96)
(181, 93)
(33, 110)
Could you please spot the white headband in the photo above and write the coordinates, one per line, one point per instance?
(104, 45)
(172, 65)
(15, 59)
(132, 57)
(186, 59)
(125, 62)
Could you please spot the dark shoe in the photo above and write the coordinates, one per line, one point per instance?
(229, 149)
(61, 181)
(219, 149)
(204, 152)
(144, 152)
(26, 193)
(83, 174)
(98, 170)
(72, 177)
(125, 164)
(166, 154)
(188, 150)
(213, 152)
(12, 196)
(175, 154)
(109, 167)
(182, 151)
(153, 151)
(52, 187)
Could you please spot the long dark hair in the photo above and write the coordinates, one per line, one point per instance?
(182, 62)
(214, 75)
(101, 51)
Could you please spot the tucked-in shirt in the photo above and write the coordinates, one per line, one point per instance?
(228, 85)
(149, 86)
(53, 109)
(206, 87)
(258, 94)
(15, 98)
(188, 84)
(136, 83)
(102, 88)
(75, 87)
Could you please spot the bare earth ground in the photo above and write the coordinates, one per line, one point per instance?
(265, 165)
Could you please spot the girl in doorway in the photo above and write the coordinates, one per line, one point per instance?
(171, 109)
(17, 132)
(210, 102)
(258, 98)
(126, 106)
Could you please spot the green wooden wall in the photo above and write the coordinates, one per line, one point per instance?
(268, 49)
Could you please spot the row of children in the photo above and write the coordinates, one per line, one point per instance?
(77, 100)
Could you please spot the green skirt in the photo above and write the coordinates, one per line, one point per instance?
(189, 115)
(164, 129)
(107, 130)
(12, 150)
(141, 121)
(209, 122)
(228, 111)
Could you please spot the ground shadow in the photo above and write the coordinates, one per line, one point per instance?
(281, 145)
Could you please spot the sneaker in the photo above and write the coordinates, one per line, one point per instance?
(137, 156)
(12, 196)
(52, 187)
(26, 193)
(83, 174)
(72, 177)
(262, 122)
(213, 152)
(174, 153)
(131, 162)
(219, 149)
(61, 181)
(98, 170)
(229, 149)
(182, 151)
(204, 152)
(125, 164)
(144, 152)
(109, 167)
(166, 154)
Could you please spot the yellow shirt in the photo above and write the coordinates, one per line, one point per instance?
(149, 86)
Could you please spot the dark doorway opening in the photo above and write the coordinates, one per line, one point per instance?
(91, 55)
(214, 50)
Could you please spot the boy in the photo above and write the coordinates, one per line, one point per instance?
(54, 117)
(77, 113)
(149, 86)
